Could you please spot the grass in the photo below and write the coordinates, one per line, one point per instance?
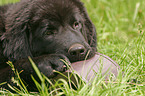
(120, 30)
(7, 1)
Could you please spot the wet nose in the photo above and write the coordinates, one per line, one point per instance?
(77, 50)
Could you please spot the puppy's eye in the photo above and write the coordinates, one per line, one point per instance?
(50, 31)
(77, 25)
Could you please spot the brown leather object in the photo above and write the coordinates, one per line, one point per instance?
(87, 69)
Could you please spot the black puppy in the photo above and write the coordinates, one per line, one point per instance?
(47, 31)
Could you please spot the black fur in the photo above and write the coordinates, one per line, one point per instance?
(45, 31)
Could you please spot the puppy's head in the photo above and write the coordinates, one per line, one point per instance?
(57, 27)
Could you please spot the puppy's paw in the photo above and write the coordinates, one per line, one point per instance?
(52, 63)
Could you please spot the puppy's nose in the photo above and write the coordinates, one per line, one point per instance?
(77, 50)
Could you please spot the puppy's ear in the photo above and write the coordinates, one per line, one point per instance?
(15, 40)
(89, 26)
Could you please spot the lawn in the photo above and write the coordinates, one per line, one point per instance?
(120, 28)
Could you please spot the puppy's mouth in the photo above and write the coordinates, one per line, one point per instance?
(82, 57)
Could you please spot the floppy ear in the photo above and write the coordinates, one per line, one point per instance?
(89, 26)
(15, 40)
